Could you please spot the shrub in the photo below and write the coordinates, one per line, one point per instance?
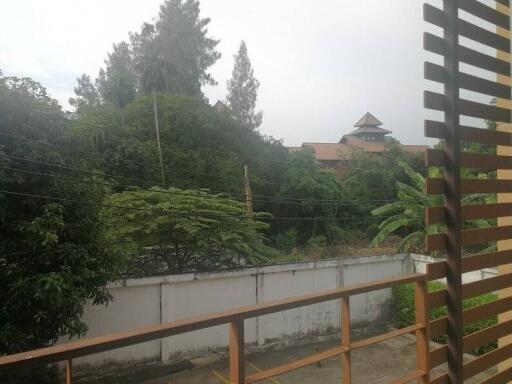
(403, 305)
(286, 240)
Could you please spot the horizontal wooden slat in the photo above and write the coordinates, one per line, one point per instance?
(504, 2)
(435, 186)
(485, 12)
(433, 100)
(436, 242)
(483, 36)
(438, 299)
(481, 338)
(469, 56)
(471, 237)
(438, 327)
(484, 111)
(437, 215)
(437, 356)
(437, 73)
(294, 365)
(436, 158)
(436, 101)
(442, 379)
(386, 336)
(409, 377)
(437, 17)
(89, 346)
(502, 377)
(471, 263)
(484, 362)
(437, 130)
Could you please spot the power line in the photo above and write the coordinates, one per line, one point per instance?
(60, 177)
(272, 199)
(238, 180)
(169, 212)
(95, 203)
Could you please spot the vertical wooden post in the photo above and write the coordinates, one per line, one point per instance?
(422, 335)
(236, 352)
(453, 192)
(247, 191)
(69, 371)
(157, 129)
(346, 367)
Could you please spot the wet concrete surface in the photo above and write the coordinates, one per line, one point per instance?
(376, 364)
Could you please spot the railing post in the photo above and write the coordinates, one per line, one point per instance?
(69, 371)
(236, 352)
(422, 335)
(346, 367)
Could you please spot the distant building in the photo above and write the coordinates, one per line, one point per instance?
(368, 136)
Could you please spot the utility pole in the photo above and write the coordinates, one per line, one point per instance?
(155, 113)
(248, 193)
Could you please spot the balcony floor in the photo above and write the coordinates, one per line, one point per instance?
(377, 364)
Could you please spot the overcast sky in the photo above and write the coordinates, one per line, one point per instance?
(321, 64)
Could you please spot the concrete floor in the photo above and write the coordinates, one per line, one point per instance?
(377, 364)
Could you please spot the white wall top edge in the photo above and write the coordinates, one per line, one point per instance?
(285, 267)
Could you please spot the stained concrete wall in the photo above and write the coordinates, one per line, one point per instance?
(154, 300)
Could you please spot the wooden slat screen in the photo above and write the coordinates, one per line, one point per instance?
(451, 159)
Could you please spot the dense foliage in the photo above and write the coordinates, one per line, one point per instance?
(53, 254)
(406, 216)
(182, 231)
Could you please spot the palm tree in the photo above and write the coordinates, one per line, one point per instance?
(407, 214)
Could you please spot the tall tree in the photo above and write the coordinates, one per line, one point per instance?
(243, 90)
(86, 93)
(174, 54)
(117, 83)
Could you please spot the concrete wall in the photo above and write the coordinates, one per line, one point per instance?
(148, 301)
(420, 263)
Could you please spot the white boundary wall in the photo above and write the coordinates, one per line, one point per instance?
(155, 300)
(420, 266)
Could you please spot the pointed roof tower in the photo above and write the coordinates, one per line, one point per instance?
(368, 120)
(369, 124)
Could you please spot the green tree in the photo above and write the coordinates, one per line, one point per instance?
(86, 93)
(116, 83)
(187, 230)
(174, 54)
(53, 253)
(243, 91)
(371, 180)
(407, 215)
(315, 193)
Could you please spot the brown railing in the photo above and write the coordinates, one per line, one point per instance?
(235, 318)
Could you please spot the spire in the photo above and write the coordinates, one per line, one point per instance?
(368, 120)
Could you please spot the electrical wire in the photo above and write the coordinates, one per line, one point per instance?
(271, 199)
(129, 187)
(169, 212)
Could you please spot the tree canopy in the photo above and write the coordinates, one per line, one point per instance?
(243, 91)
(178, 231)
